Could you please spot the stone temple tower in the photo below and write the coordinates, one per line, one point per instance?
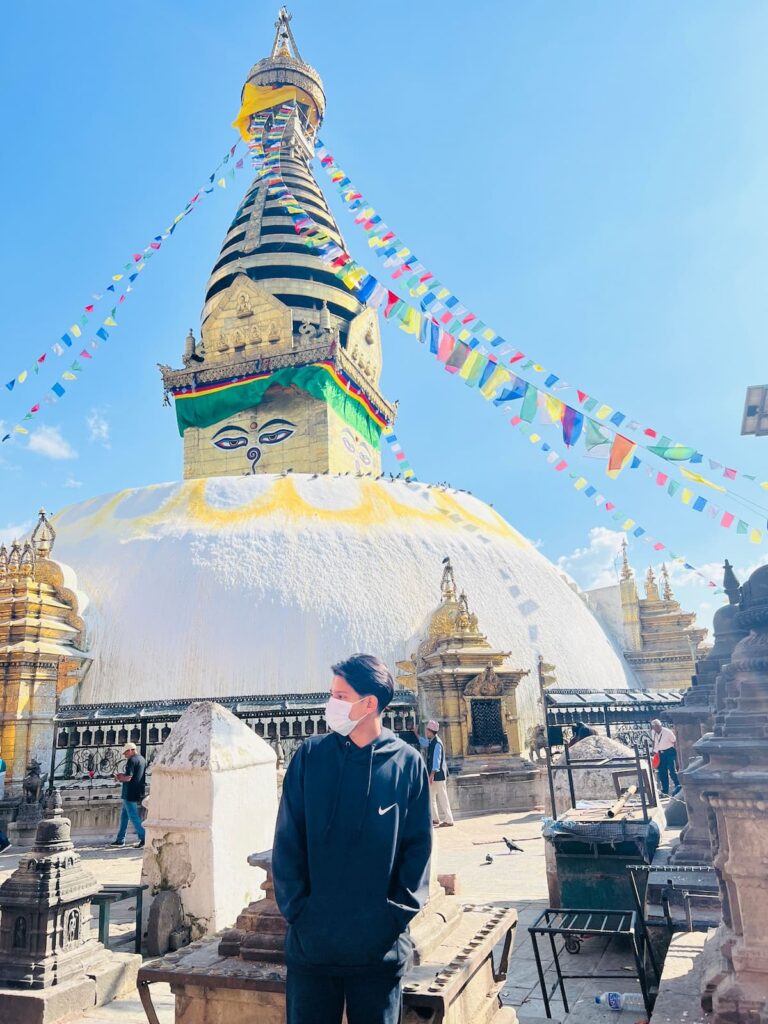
(285, 374)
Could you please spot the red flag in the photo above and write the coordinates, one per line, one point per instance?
(582, 395)
(391, 300)
(89, 309)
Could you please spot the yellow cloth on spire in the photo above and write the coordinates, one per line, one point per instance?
(259, 97)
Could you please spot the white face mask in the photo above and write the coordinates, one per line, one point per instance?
(337, 715)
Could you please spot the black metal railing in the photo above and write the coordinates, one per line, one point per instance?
(89, 739)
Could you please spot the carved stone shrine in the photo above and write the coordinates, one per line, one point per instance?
(733, 779)
(695, 717)
(50, 966)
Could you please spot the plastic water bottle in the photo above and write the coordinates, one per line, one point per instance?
(621, 1000)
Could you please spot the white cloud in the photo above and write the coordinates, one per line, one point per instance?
(98, 428)
(11, 533)
(594, 565)
(49, 441)
(71, 482)
(682, 577)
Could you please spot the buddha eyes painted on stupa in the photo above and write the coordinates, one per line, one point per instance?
(232, 436)
(358, 449)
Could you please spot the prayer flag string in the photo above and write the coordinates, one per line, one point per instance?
(469, 361)
(443, 305)
(71, 340)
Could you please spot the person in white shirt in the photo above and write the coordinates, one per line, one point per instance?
(664, 744)
(438, 774)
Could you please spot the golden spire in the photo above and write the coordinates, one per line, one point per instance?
(667, 589)
(448, 582)
(284, 42)
(43, 535)
(626, 569)
(651, 589)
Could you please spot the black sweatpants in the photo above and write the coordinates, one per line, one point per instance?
(320, 999)
(667, 768)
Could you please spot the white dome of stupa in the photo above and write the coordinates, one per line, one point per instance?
(255, 585)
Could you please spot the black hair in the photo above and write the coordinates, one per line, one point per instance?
(367, 676)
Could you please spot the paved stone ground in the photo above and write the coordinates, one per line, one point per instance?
(516, 879)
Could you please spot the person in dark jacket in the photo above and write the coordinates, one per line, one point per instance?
(351, 856)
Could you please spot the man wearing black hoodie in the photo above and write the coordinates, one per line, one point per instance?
(351, 856)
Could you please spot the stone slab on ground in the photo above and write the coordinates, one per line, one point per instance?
(679, 992)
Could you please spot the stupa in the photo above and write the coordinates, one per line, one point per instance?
(284, 548)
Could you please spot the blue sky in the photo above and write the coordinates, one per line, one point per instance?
(589, 178)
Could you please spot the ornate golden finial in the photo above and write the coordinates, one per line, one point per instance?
(284, 42)
(43, 535)
(667, 588)
(27, 560)
(626, 568)
(448, 582)
(14, 559)
(651, 589)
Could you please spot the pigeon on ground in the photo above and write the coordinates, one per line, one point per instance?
(511, 846)
(488, 859)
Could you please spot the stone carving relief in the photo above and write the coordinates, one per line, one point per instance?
(20, 933)
(242, 318)
(487, 684)
(73, 926)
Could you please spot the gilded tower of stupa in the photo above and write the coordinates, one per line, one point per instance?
(285, 375)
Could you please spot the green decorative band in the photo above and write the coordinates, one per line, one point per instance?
(211, 404)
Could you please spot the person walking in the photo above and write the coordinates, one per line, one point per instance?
(442, 816)
(133, 780)
(664, 744)
(350, 858)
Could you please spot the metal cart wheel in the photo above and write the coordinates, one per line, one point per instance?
(572, 944)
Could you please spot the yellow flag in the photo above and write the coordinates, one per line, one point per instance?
(533, 438)
(700, 479)
(117, 277)
(603, 411)
(68, 376)
(755, 536)
(628, 524)
(257, 98)
(75, 330)
(580, 484)
(498, 377)
(21, 430)
(22, 376)
(411, 322)
(109, 322)
(555, 408)
(686, 496)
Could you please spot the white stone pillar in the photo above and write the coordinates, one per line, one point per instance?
(213, 802)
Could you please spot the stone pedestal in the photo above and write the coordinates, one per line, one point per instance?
(733, 779)
(50, 965)
(23, 830)
(214, 796)
(694, 718)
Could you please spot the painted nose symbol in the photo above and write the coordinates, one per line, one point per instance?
(254, 454)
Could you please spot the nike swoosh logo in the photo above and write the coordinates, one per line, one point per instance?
(383, 810)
